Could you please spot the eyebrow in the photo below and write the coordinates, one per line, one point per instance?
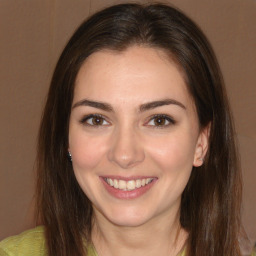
(144, 107)
(95, 104)
(159, 103)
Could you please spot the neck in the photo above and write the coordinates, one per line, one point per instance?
(156, 237)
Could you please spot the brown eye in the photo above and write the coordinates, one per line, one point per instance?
(160, 121)
(94, 120)
(97, 120)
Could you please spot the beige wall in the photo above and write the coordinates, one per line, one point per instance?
(32, 36)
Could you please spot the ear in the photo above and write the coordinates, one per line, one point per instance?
(202, 146)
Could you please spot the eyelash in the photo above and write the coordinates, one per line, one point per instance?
(85, 119)
(167, 118)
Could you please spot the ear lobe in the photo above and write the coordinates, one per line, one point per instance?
(202, 146)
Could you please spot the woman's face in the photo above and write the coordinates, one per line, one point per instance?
(133, 135)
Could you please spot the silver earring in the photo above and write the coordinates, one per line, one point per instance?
(69, 156)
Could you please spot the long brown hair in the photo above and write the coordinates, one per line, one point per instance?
(210, 206)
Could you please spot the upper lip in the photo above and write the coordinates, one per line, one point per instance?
(127, 178)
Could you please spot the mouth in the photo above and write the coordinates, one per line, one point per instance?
(128, 185)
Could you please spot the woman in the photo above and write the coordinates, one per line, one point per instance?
(136, 152)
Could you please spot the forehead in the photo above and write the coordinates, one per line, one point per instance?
(138, 73)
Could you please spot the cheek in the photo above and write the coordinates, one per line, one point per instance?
(172, 153)
(86, 151)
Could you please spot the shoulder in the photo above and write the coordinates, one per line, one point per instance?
(30, 242)
(182, 252)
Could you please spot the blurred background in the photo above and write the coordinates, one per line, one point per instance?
(32, 36)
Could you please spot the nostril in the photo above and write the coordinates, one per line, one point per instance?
(125, 149)
(126, 158)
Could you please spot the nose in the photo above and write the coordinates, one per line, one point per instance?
(126, 150)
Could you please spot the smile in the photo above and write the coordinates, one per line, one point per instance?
(128, 185)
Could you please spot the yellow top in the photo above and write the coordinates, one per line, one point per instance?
(32, 243)
(28, 243)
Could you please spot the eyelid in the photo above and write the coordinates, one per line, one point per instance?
(87, 117)
(166, 117)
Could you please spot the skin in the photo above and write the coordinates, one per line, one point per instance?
(129, 143)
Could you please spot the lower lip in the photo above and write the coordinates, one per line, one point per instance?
(120, 194)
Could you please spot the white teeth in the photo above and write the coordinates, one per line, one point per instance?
(122, 184)
(116, 183)
(138, 183)
(148, 180)
(128, 185)
(110, 182)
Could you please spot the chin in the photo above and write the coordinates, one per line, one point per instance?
(126, 217)
(128, 221)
